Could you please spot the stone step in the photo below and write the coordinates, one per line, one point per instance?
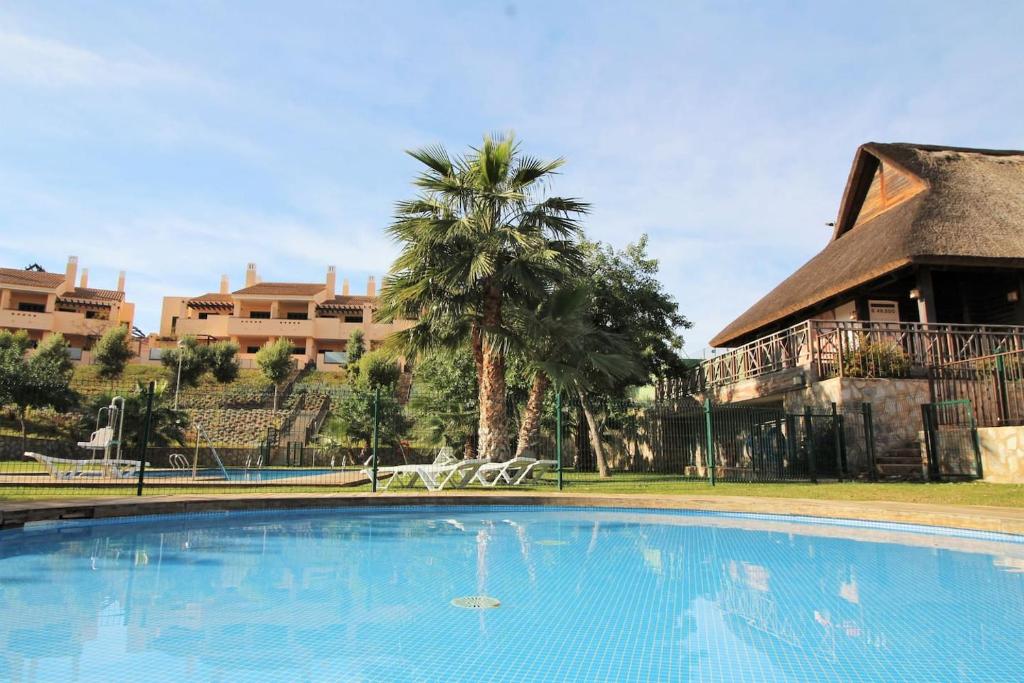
(902, 471)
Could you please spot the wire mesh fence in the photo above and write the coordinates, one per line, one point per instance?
(126, 440)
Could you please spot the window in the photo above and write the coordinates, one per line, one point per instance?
(260, 315)
(174, 323)
(298, 350)
(252, 349)
(298, 315)
(204, 316)
(335, 357)
(90, 314)
(354, 318)
(32, 308)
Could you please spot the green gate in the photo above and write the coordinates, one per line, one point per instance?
(951, 439)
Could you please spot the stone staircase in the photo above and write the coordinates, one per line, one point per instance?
(901, 464)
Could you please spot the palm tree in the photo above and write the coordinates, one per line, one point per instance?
(563, 347)
(479, 235)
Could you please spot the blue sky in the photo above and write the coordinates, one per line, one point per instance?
(160, 136)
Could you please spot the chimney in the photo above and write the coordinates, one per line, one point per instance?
(331, 278)
(225, 286)
(71, 272)
(85, 278)
(251, 277)
(344, 287)
(371, 287)
(120, 281)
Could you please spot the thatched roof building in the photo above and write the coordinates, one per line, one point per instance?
(938, 231)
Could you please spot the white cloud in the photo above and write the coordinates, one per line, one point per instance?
(30, 60)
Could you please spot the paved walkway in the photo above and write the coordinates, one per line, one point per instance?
(1007, 520)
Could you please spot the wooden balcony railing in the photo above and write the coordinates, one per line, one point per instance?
(833, 348)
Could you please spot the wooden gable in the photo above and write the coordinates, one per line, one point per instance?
(875, 186)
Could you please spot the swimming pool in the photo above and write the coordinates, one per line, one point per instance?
(585, 595)
(241, 473)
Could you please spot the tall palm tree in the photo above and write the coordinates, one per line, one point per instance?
(563, 347)
(480, 235)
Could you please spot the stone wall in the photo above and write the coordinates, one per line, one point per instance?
(1002, 454)
(895, 405)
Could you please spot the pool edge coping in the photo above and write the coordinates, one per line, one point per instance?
(974, 518)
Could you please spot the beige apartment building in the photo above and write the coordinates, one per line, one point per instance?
(44, 303)
(316, 318)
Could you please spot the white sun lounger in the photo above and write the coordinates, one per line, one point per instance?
(535, 471)
(494, 473)
(66, 468)
(434, 477)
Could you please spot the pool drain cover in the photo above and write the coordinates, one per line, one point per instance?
(476, 602)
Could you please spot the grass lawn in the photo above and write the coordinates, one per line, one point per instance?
(965, 493)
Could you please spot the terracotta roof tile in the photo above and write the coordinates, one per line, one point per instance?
(30, 278)
(284, 288)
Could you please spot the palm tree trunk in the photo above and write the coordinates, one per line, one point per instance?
(493, 423)
(595, 437)
(24, 431)
(529, 430)
(477, 340)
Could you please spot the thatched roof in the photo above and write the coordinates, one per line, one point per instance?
(964, 206)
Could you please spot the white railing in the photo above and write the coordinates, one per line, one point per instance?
(834, 348)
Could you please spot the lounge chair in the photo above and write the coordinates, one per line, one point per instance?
(494, 473)
(535, 471)
(66, 468)
(445, 456)
(434, 477)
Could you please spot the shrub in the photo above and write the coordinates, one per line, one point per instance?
(112, 352)
(224, 361)
(875, 359)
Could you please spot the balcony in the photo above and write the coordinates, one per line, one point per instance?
(214, 326)
(26, 320)
(830, 348)
(269, 327)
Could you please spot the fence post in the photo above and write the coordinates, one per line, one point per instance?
(558, 434)
(709, 447)
(930, 438)
(839, 440)
(869, 440)
(1004, 398)
(812, 465)
(144, 440)
(376, 418)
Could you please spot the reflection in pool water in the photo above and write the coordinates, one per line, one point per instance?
(585, 595)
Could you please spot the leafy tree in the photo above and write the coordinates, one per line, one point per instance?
(195, 360)
(630, 300)
(479, 235)
(443, 403)
(19, 341)
(223, 360)
(276, 362)
(40, 381)
(112, 352)
(166, 425)
(377, 369)
(353, 413)
(355, 348)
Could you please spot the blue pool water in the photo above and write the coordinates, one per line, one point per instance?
(586, 595)
(241, 474)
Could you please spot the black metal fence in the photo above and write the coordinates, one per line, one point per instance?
(339, 437)
(994, 385)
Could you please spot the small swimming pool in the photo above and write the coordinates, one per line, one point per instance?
(585, 595)
(241, 474)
